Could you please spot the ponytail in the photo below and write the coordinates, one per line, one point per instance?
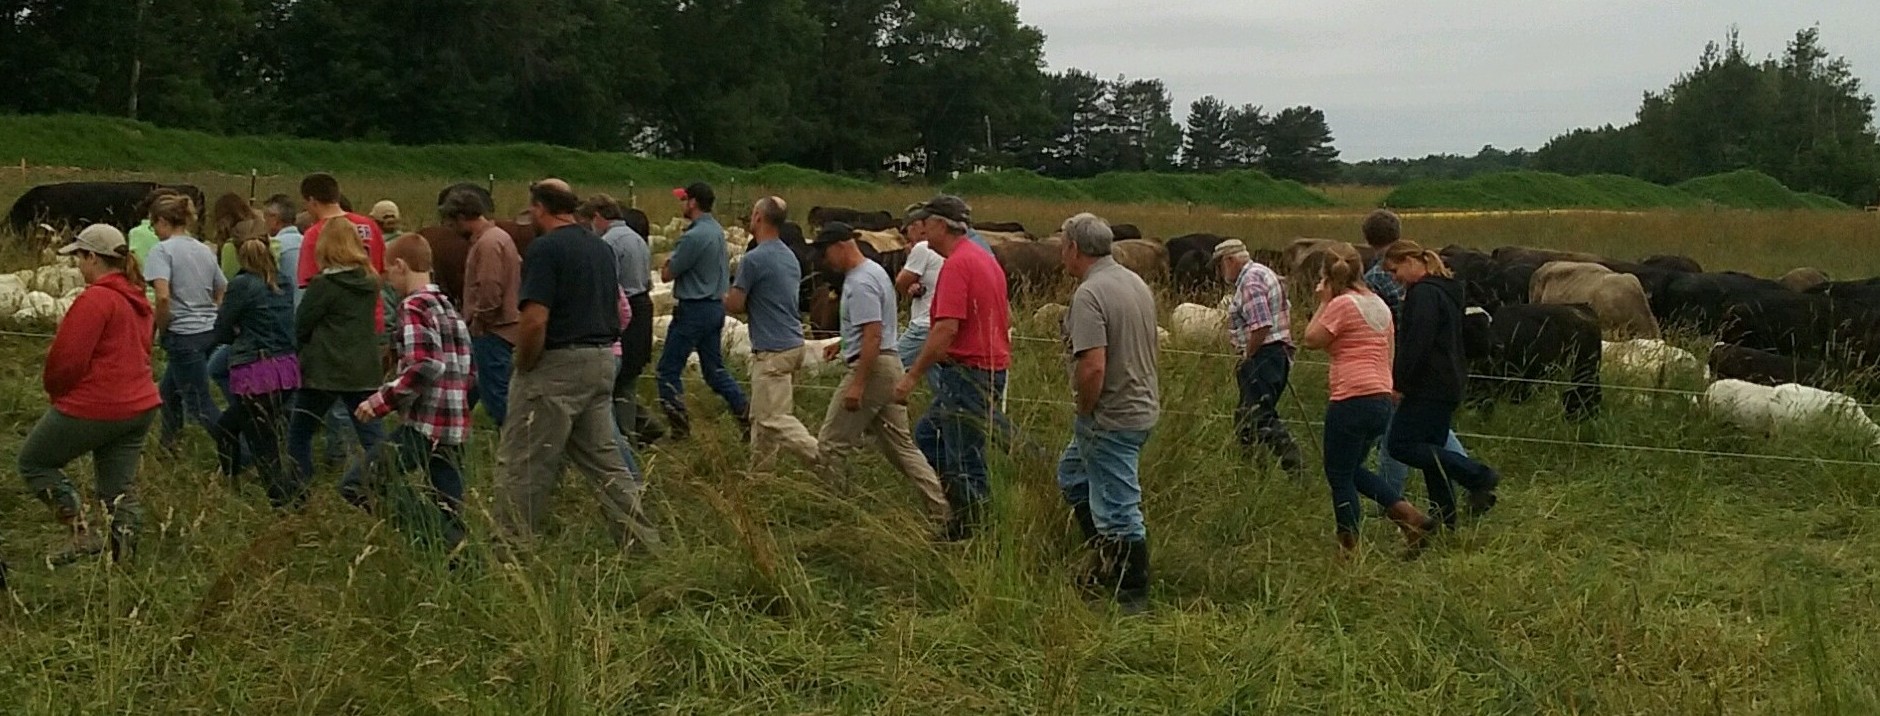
(1404, 250)
(125, 261)
(1343, 271)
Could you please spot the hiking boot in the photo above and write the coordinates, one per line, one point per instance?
(1347, 546)
(81, 544)
(1481, 501)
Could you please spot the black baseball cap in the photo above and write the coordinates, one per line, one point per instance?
(834, 232)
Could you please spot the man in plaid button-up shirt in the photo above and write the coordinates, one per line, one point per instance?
(1259, 323)
(431, 389)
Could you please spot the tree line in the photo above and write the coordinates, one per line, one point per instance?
(836, 85)
(1801, 117)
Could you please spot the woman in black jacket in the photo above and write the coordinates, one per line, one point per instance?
(1429, 373)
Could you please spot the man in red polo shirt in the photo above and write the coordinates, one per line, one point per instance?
(320, 194)
(968, 349)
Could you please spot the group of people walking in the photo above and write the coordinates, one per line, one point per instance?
(552, 343)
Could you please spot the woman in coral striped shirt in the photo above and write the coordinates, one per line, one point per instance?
(1354, 326)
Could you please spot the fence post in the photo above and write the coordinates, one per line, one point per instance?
(254, 176)
(633, 200)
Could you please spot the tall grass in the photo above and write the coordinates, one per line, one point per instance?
(1608, 581)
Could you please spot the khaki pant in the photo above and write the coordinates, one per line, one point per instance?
(881, 417)
(774, 425)
(563, 411)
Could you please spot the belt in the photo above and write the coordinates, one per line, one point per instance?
(575, 346)
(858, 356)
(700, 300)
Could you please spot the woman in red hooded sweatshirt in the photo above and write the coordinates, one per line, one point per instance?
(103, 398)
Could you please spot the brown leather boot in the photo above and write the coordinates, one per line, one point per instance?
(1347, 546)
(1415, 525)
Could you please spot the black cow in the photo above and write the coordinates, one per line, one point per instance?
(1762, 367)
(862, 220)
(75, 204)
(1699, 300)
(1536, 342)
(1188, 261)
(1125, 232)
(1003, 227)
(1673, 262)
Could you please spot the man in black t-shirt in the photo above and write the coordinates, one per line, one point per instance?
(561, 397)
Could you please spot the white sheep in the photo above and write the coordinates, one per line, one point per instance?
(736, 341)
(1650, 357)
(1050, 314)
(1195, 323)
(56, 280)
(813, 363)
(1769, 411)
(37, 306)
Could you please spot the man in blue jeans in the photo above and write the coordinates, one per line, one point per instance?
(700, 274)
(1110, 334)
(1381, 229)
(1259, 325)
(968, 351)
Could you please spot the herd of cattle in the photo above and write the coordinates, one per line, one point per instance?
(1537, 314)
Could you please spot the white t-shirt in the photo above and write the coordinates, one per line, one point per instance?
(924, 262)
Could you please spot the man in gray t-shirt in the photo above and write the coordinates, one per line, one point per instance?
(766, 290)
(1110, 338)
(864, 405)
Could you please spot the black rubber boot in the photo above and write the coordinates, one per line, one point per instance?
(677, 420)
(1132, 586)
(1089, 576)
(1086, 522)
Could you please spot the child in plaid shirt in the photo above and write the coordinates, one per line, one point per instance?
(431, 387)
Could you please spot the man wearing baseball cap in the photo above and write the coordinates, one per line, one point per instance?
(1259, 324)
(103, 396)
(968, 350)
(700, 272)
(385, 214)
(864, 403)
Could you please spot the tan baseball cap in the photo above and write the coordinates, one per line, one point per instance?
(385, 211)
(101, 239)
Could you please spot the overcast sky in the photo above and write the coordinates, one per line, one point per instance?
(1405, 79)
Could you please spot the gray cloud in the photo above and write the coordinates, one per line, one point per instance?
(1414, 78)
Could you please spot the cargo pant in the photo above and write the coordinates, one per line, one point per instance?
(844, 430)
(115, 448)
(563, 411)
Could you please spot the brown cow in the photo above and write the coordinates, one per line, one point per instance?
(1032, 268)
(1507, 255)
(995, 238)
(1147, 258)
(1802, 279)
(1618, 298)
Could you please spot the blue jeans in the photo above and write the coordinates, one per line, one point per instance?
(1396, 473)
(697, 327)
(218, 372)
(952, 434)
(185, 385)
(410, 451)
(912, 340)
(493, 358)
(624, 443)
(1352, 426)
(1261, 379)
(310, 410)
(1099, 468)
(1418, 433)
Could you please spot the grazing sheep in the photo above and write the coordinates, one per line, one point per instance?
(1650, 357)
(1787, 407)
(1195, 323)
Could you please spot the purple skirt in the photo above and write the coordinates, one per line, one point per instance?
(268, 375)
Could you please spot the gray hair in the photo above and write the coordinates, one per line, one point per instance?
(279, 207)
(774, 210)
(1089, 233)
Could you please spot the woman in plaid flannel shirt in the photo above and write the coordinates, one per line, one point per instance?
(431, 388)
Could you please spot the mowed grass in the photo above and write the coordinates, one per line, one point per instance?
(1609, 581)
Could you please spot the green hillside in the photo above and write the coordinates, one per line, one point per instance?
(1742, 189)
(1234, 190)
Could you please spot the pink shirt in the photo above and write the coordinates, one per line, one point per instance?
(1361, 331)
(972, 290)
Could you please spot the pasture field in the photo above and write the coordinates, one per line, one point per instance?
(1608, 581)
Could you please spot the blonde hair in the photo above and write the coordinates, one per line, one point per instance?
(257, 257)
(177, 209)
(339, 246)
(1344, 269)
(1410, 250)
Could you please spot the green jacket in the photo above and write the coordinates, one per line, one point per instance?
(334, 330)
